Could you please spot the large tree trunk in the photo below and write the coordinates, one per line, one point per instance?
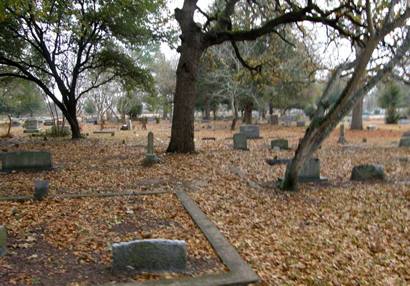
(357, 116)
(71, 115)
(247, 117)
(191, 49)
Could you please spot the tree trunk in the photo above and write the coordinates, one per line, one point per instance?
(191, 49)
(215, 112)
(71, 115)
(321, 125)
(357, 116)
(9, 128)
(247, 117)
(207, 109)
(235, 112)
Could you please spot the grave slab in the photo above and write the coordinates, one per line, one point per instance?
(281, 143)
(368, 172)
(250, 131)
(240, 141)
(25, 160)
(150, 255)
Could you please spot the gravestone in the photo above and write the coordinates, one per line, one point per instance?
(31, 126)
(279, 143)
(368, 172)
(129, 124)
(124, 127)
(300, 123)
(150, 157)
(150, 255)
(311, 171)
(250, 131)
(240, 141)
(405, 139)
(342, 139)
(3, 240)
(25, 160)
(274, 119)
(371, 127)
(40, 189)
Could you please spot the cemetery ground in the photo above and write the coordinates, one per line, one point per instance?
(337, 232)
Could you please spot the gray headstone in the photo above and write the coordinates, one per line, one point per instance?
(368, 172)
(406, 134)
(280, 143)
(26, 160)
(31, 126)
(371, 127)
(150, 144)
(129, 124)
(250, 131)
(300, 123)
(40, 189)
(240, 141)
(151, 255)
(404, 141)
(310, 171)
(3, 240)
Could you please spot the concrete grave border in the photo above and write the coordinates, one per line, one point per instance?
(240, 273)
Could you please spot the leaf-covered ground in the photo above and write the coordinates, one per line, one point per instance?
(335, 233)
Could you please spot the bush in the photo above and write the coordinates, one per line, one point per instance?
(58, 131)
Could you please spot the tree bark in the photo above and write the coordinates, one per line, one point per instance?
(234, 104)
(191, 49)
(247, 117)
(71, 115)
(357, 116)
(320, 127)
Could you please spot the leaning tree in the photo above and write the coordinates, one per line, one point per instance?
(56, 44)
(264, 17)
(384, 39)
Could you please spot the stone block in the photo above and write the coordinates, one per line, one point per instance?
(151, 255)
(40, 189)
(368, 172)
(310, 171)
(250, 131)
(240, 141)
(405, 141)
(25, 160)
(281, 143)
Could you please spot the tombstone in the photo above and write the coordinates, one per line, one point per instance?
(31, 126)
(240, 141)
(406, 134)
(279, 143)
(129, 124)
(25, 160)
(150, 157)
(342, 139)
(368, 172)
(124, 127)
(371, 127)
(150, 255)
(300, 123)
(250, 131)
(311, 171)
(404, 141)
(274, 119)
(3, 240)
(40, 189)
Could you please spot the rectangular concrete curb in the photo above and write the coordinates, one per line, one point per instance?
(240, 273)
